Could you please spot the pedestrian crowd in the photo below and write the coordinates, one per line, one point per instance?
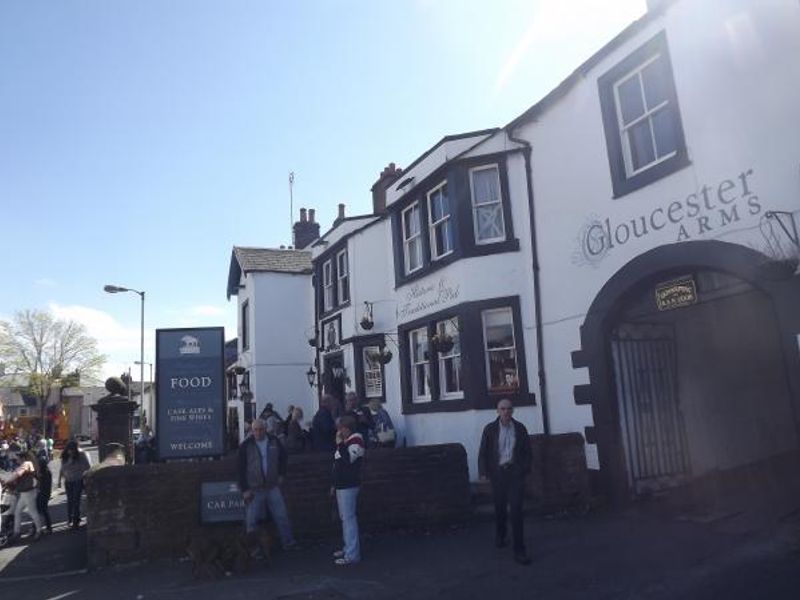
(26, 483)
(346, 432)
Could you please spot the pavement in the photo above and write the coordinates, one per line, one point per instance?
(642, 552)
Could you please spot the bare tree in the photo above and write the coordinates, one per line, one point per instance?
(50, 352)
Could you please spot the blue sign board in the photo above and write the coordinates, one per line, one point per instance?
(221, 502)
(190, 384)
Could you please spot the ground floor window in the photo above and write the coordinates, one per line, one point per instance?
(500, 349)
(420, 366)
(466, 357)
(373, 375)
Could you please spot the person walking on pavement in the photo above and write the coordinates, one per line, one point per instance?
(347, 460)
(505, 458)
(24, 479)
(74, 465)
(45, 490)
(262, 467)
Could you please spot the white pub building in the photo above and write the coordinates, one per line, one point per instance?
(619, 260)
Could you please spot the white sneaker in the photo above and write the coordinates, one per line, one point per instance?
(338, 554)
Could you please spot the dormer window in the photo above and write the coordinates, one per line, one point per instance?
(487, 204)
(412, 238)
(441, 227)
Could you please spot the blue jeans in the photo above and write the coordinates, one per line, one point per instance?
(346, 500)
(272, 499)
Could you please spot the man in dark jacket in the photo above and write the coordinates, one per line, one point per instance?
(262, 467)
(505, 458)
(323, 427)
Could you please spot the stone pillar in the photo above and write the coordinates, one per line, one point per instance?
(115, 421)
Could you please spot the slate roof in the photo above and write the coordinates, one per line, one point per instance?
(266, 260)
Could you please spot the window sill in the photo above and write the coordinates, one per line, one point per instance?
(623, 187)
(333, 311)
(485, 401)
(511, 245)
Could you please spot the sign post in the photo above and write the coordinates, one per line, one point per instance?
(190, 380)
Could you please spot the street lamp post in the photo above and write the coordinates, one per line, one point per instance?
(115, 289)
(145, 417)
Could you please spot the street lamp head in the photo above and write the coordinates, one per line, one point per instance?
(114, 289)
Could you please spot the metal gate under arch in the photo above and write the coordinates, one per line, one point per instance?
(651, 423)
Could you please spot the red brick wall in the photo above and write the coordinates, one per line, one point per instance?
(151, 511)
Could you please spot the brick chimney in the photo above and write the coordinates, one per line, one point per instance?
(388, 176)
(340, 217)
(305, 230)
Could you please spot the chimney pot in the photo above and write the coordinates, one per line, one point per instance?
(302, 215)
(311, 212)
(341, 211)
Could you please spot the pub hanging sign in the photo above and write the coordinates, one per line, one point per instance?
(676, 294)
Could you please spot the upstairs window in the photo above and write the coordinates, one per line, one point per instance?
(342, 277)
(412, 238)
(487, 204)
(327, 285)
(500, 349)
(644, 114)
(644, 134)
(441, 227)
(245, 325)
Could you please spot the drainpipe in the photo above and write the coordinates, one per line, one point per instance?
(316, 334)
(537, 296)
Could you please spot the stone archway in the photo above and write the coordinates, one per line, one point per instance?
(608, 309)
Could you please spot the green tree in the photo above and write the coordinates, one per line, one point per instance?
(52, 353)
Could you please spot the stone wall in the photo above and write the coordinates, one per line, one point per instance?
(151, 511)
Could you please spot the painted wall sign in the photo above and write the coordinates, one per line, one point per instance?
(421, 297)
(191, 392)
(676, 294)
(706, 211)
(221, 502)
(332, 334)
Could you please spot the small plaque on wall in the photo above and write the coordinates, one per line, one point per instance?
(676, 294)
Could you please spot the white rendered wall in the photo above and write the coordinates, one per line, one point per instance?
(737, 77)
(279, 355)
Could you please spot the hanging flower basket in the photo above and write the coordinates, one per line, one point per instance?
(385, 356)
(367, 323)
(312, 342)
(442, 343)
(776, 270)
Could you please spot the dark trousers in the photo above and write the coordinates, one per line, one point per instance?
(74, 489)
(41, 505)
(508, 491)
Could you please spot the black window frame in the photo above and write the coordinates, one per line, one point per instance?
(474, 384)
(455, 174)
(622, 183)
(245, 316)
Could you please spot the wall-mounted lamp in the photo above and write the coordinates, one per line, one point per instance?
(311, 375)
(366, 321)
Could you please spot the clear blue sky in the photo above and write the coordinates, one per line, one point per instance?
(141, 140)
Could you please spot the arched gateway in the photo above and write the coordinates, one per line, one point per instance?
(694, 369)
